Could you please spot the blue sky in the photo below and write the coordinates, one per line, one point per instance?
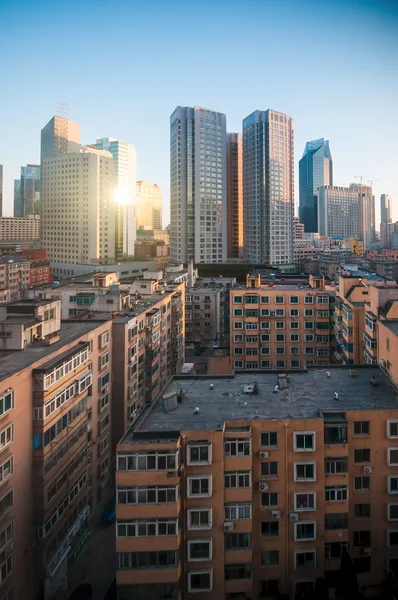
(123, 66)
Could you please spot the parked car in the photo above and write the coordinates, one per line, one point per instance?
(109, 513)
(82, 592)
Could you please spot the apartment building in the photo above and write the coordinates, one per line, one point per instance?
(20, 228)
(358, 304)
(148, 348)
(14, 275)
(39, 267)
(204, 314)
(255, 491)
(54, 442)
(278, 325)
(155, 250)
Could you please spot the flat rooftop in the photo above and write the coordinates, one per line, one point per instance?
(308, 393)
(12, 361)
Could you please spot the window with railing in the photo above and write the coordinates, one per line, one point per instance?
(237, 447)
(153, 461)
(148, 560)
(336, 521)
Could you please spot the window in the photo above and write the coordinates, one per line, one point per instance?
(309, 337)
(279, 300)
(237, 447)
(6, 403)
(6, 469)
(7, 535)
(155, 461)
(149, 528)
(238, 300)
(295, 325)
(294, 299)
(238, 312)
(361, 511)
(304, 441)
(6, 502)
(238, 337)
(304, 471)
(148, 560)
(304, 501)
(279, 324)
(270, 557)
(238, 571)
(237, 479)
(335, 434)
(294, 350)
(338, 521)
(334, 466)
(362, 455)
(6, 436)
(280, 364)
(308, 300)
(6, 568)
(151, 495)
(104, 339)
(199, 549)
(392, 457)
(232, 512)
(199, 487)
(304, 531)
(270, 528)
(269, 439)
(295, 364)
(392, 538)
(392, 484)
(237, 541)
(362, 538)
(280, 350)
(361, 427)
(199, 518)
(392, 512)
(392, 428)
(270, 500)
(337, 493)
(201, 581)
(265, 364)
(238, 325)
(305, 560)
(199, 454)
(269, 469)
(335, 549)
(362, 483)
(264, 299)
(295, 337)
(279, 312)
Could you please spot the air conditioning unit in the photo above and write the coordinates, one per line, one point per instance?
(264, 454)
(367, 470)
(228, 526)
(367, 551)
(276, 514)
(294, 517)
(263, 487)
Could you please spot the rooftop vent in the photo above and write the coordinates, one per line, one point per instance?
(251, 388)
(196, 411)
(211, 386)
(336, 396)
(170, 401)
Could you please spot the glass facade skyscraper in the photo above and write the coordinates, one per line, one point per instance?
(198, 186)
(27, 193)
(315, 171)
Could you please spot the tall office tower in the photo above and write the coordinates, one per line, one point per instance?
(148, 205)
(27, 194)
(373, 218)
(125, 165)
(338, 212)
(1, 190)
(268, 187)
(198, 186)
(365, 213)
(234, 196)
(385, 218)
(315, 170)
(60, 136)
(78, 208)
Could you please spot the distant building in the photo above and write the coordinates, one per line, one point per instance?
(148, 205)
(1, 190)
(315, 171)
(204, 319)
(39, 267)
(298, 229)
(27, 193)
(338, 212)
(60, 136)
(365, 213)
(21, 229)
(14, 275)
(198, 186)
(385, 218)
(268, 187)
(234, 196)
(155, 250)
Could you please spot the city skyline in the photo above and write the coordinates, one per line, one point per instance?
(142, 119)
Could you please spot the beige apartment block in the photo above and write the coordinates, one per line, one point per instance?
(148, 205)
(230, 486)
(54, 442)
(20, 228)
(280, 325)
(14, 275)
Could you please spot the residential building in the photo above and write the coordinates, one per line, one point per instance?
(315, 171)
(39, 267)
(27, 194)
(268, 208)
(198, 186)
(204, 315)
(338, 212)
(149, 205)
(123, 269)
(298, 230)
(1, 190)
(79, 225)
(234, 196)
(14, 275)
(355, 246)
(55, 382)
(124, 158)
(385, 218)
(148, 349)
(21, 229)
(231, 486)
(155, 250)
(60, 136)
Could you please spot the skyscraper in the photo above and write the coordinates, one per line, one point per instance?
(125, 165)
(27, 194)
(365, 213)
(1, 190)
(60, 136)
(268, 187)
(315, 170)
(339, 212)
(198, 188)
(385, 218)
(234, 196)
(148, 205)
